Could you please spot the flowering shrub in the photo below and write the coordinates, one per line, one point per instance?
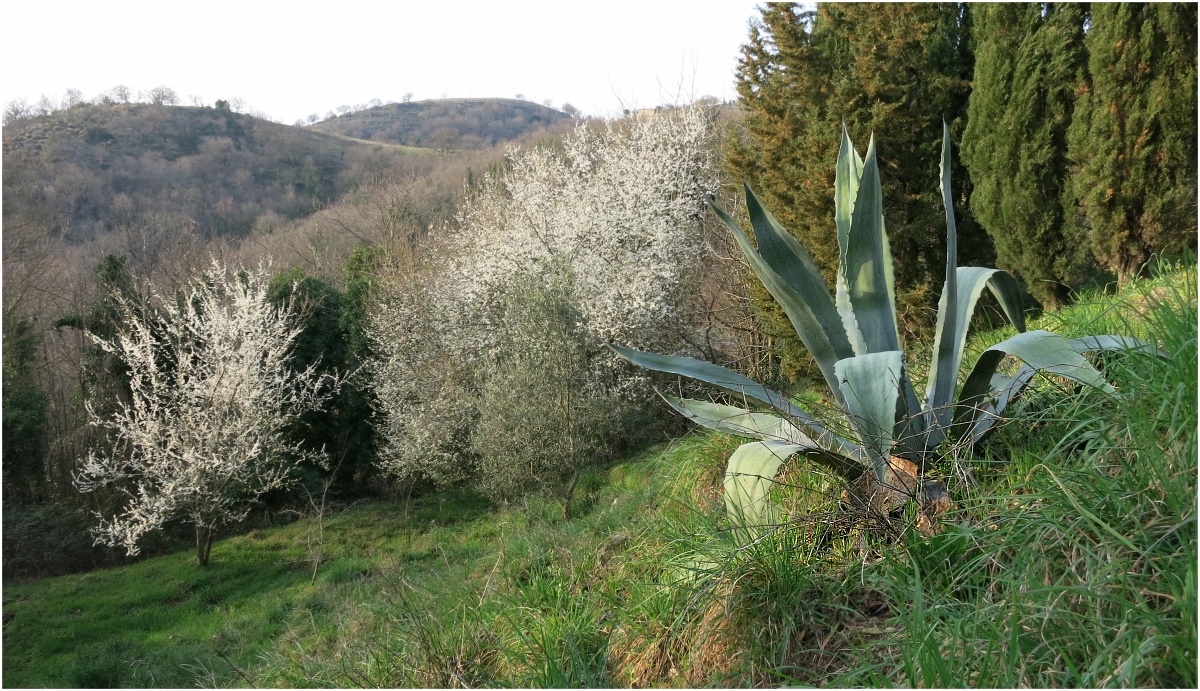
(204, 431)
(619, 209)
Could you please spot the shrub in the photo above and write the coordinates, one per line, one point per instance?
(543, 414)
(619, 209)
(212, 397)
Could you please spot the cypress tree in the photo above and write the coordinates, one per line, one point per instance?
(894, 70)
(1133, 137)
(1029, 65)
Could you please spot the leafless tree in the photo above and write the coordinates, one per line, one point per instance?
(163, 96)
(16, 110)
(44, 106)
(72, 98)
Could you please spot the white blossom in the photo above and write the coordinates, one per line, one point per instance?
(619, 207)
(203, 432)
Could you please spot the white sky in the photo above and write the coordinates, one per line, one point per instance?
(289, 58)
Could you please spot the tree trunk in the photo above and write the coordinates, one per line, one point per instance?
(569, 494)
(204, 540)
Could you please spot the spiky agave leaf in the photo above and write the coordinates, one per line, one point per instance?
(741, 386)
(866, 264)
(800, 291)
(977, 415)
(768, 427)
(1040, 350)
(871, 386)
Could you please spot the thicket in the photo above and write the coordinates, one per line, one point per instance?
(608, 231)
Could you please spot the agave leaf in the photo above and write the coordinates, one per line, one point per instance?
(1096, 344)
(943, 371)
(951, 335)
(823, 343)
(871, 385)
(911, 437)
(737, 384)
(767, 427)
(1007, 292)
(845, 190)
(748, 479)
(788, 258)
(865, 264)
(978, 421)
(1052, 353)
(1041, 350)
(739, 421)
(845, 186)
(781, 250)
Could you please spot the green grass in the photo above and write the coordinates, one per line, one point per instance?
(1073, 562)
(1070, 560)
(167, 622)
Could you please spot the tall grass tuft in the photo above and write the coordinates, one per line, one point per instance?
(1078, 565)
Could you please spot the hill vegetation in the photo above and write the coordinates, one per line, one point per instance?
(92, 169)
(446, 124)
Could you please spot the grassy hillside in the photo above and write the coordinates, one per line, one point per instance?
(1070, 560)
(466, 123)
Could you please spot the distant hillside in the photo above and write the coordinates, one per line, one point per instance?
(93, 168)
(453, 123)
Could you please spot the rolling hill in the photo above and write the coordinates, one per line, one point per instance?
(90, 169)
(466, 123)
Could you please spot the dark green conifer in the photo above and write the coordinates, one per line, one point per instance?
(1133, 137)
(1029, 65)
(895, 70)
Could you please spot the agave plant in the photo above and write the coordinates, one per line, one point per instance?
(891, 437)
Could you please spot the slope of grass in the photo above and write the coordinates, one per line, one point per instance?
(1073, 561)
(166, 622)
(1070, 560)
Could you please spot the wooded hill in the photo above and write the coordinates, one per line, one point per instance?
(90, 169)
(450, 123)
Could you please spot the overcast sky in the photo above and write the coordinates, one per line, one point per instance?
(290, 58)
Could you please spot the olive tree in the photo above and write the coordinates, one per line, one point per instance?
(204, 430)
(543, 417)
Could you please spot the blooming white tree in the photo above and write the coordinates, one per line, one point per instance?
(203, 433)
(617, 207)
